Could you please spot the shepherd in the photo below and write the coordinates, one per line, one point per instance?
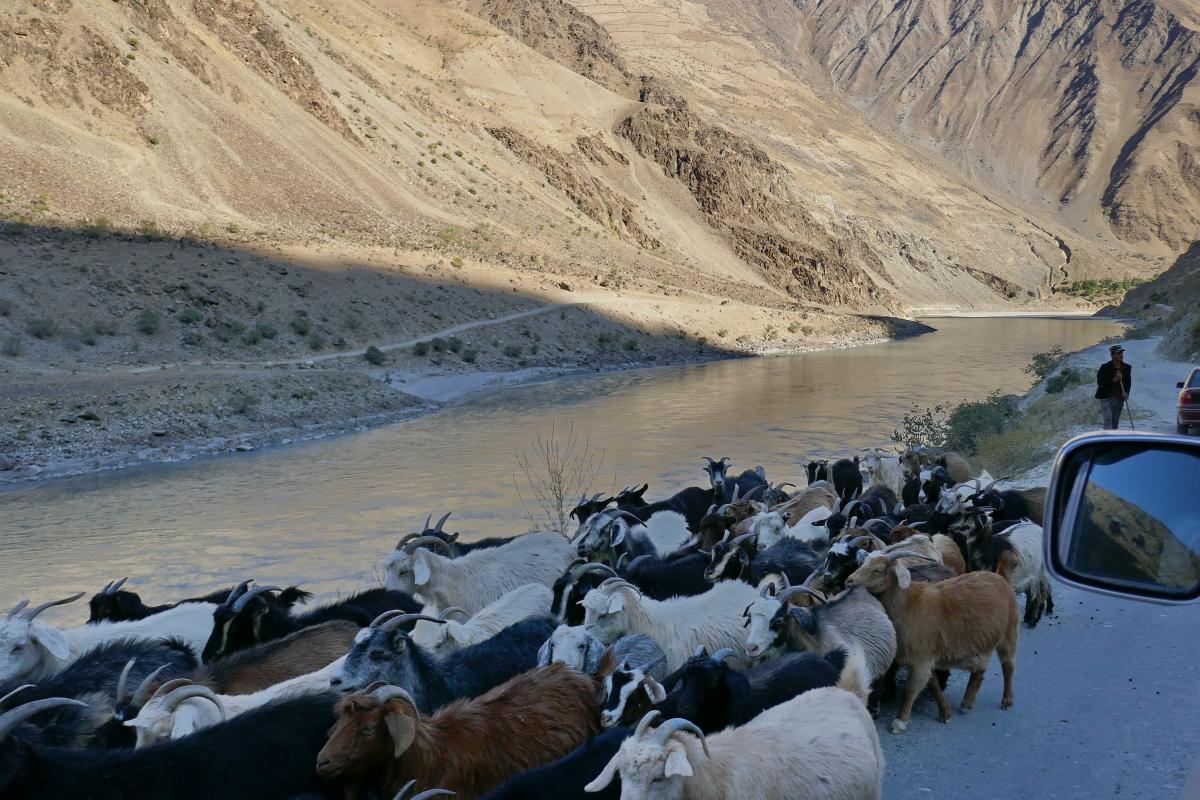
(1114, 379)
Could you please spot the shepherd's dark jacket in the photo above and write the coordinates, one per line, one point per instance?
(1104, 380)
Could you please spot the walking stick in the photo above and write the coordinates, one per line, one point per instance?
(1129, 410)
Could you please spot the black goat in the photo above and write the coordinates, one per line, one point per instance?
(564, 779)
(90, 679)
(248, 618)
(457, 548)
(573, 585)
(587, 508)
(740, 560)
(911, 493)
(387, 653)
(114, 604)
(817, 471)
(693, 503)
(660, 579)
(939, 479)
(847, 479)
(265, 754)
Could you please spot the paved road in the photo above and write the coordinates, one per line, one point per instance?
(1107, 706)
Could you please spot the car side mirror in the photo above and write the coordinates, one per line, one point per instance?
(1179, 385)
(1123, 518)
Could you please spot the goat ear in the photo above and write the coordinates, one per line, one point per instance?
(401, 727)
(861, 556)
(618, 537)
(51, 639)
(544, 654)
(903, 576)
(804, 618)
(615, 603)
(606, 775)
(655, 691)
(185, 721)
(458, 632)
(677, 761)
(421, 571)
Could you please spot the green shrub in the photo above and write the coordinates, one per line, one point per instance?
(193, 338)
(421, 349)
(149, 322)
(454, 344)
(631, 345)
(301, 326)
(316, 341)
(512, 350)
(42, 328)
(969, 422)
(88, 336)
(243, 402)
(105, 327)
(12, 346)
(1066, 379)
(1042, 364)
(100, 226)
(469, 356)
(438, 344)
(189, 316)
(375, 356)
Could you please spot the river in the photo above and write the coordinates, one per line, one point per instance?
(325, 513)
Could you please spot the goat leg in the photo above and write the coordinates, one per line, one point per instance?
(918, 677)
(968, 701)
(940, 697)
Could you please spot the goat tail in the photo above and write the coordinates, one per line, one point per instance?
(854, 677)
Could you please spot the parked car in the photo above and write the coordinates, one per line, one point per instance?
(1188, 414)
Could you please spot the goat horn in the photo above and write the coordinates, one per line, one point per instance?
(124, 677)
(620, 583)
(11, 719)
(858, 541)
(171, 701)
(445, 614)
(621, 561)
(575, 562)
(671, 726)
(645, 723)
(384, 617)
(18, 608)
(238, 591)
(723, 653)
(4, 700)
(241, 603)
(142, 694)
(788, 593)
(726, 458)
(442, 521)
(620, 512)
(594, 566)
(385, 693)
(106, 588)
(117, 586)
(909, 554)
(408, 537)
(744, 537)
(701, 652)
(29, 614)
(168, 687)
(709, 460)
(434, 540)
(428, 793)
(399, 619)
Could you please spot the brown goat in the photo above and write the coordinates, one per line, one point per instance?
(956, 467)
(950, 624)
(264, 665)
(952, 557)
(379, 740)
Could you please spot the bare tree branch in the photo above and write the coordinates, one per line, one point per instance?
(552, 474)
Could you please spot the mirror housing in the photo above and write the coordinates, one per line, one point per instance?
(1179, 385)
(1123, 516)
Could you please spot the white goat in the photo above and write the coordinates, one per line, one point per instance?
(1024, 566)
(581, 651)
(667, 531)
(884, 470)
(681, 624)
(32, 650)
(179, 708)
(481, 576)
(530, 600)
(771, 527)
(821, 745)
(664, 531)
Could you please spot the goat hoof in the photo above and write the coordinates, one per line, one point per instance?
(1006, 703)
(899, 726)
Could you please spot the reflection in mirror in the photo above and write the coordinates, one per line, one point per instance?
(1137, 523)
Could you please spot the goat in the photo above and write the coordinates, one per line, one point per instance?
(1017, 554)
(32, 650)
(775, 494)
(884, 470)
(114, 604)
(817, 470)
(947, 551)
(458, 548)
(821, 745)
(950, 624)
(772, 527)
(847, 479)
(1012, 504)
(616, 608)
(385, 652)
(265, 665)
(956, 467)
(853, 621)
(579, 578)
(530, 600)
(740, 559)
(180, 708)
(692, 503)
(661, 579)
(708, 692)
(583, 652)
(267, 754)
(565, 778)
(247, 618)
(472, 581)
(587, 507)
(102, 666)
(380, 739)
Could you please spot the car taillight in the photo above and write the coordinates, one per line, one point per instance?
(1189, 397)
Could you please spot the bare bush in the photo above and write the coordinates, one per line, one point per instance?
(552, 474)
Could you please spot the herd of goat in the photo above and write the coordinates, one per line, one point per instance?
(732, 642)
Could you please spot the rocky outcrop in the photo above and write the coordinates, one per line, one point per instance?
(562, 33)
(591, 195)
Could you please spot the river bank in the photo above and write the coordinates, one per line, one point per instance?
(68, 425)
